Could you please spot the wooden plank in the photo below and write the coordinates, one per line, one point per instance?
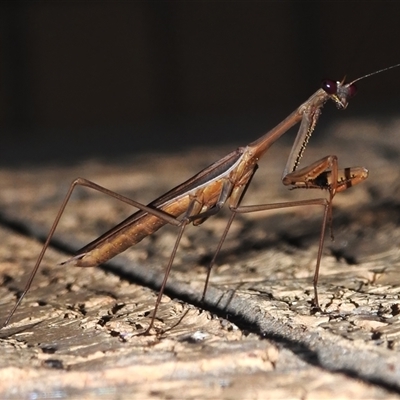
(87, 322)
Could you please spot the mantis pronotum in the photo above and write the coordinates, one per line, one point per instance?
(226, 180)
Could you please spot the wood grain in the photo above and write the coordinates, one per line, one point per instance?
(76, 333)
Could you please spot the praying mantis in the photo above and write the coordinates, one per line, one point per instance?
(224, 181)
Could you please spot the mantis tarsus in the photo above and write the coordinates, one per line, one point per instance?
(226, 180)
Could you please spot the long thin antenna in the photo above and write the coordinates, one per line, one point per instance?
(373, 73)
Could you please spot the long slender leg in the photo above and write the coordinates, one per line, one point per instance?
(322, 174)
(311, 177)
(83, 182)
(236, 198)
(327, 204)
(219, 246)
(327, 218)
(166, 274)
(190, 216)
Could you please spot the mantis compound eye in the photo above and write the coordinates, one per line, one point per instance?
(332, 87)
(352, 90)
(329, 86)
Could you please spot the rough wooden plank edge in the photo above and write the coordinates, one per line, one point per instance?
(328, 351)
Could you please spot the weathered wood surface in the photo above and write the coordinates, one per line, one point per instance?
(76, 333)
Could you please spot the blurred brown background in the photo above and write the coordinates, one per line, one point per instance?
(107, 79)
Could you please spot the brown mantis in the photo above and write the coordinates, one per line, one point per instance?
(226, 180)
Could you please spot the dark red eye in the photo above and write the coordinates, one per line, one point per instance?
(352, 90)
(329, 86)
